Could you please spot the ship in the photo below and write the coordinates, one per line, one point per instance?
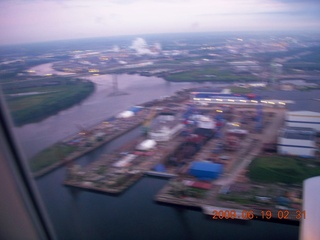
(165, 126)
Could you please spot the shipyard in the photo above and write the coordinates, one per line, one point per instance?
(160, 120)
(203, 142)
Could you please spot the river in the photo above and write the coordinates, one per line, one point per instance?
(77, 214)
(82, 215)
(97, 107)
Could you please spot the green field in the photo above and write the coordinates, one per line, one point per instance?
(49, 156)
(208, 75)
(45, 100)
(240, 90)
(292, 170)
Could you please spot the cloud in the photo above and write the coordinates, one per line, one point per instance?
(299, 1)
(42, 20)
(158, 47)
(115, 48)
(195, 25)
(124, 1)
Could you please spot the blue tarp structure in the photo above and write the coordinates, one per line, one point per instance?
(159, 168)
(205, 170)
(135, 109)
(283, 201)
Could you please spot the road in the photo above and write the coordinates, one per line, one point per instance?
(254, 147)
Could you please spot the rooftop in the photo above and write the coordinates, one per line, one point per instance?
(299, 133)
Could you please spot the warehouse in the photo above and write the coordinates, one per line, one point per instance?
(297, 141)
(205, 170)
(304, 119)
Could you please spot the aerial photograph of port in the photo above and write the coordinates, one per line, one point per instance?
(205, 133)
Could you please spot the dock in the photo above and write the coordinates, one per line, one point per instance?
(161, 174)
(231, 150)
(103, 175)
(177, 193)
(91, 138)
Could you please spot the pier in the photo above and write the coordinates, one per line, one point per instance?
(105, 176)
(229, 145)
(91, 138)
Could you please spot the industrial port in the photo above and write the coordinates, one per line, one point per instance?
(203, 142)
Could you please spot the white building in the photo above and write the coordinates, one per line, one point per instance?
(165, 127)
(146, 145)
(303, 119)
(125, 161)
(297, 141)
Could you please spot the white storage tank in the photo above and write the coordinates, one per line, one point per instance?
(146, 145)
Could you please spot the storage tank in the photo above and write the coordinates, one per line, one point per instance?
(146, 145)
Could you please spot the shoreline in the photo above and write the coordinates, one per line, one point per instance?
(111, 129)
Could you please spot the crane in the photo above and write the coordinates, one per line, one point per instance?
(149, 118)
(259, 115)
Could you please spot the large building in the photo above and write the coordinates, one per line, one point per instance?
(297, 141)
(205, 170)
(304, 119)
(214, 98)
(164, 127)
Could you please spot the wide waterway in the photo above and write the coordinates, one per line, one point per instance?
(98, 107)
(78, 214)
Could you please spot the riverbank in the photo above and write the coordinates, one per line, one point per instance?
(232, 190)
(104, 176)
(50, 159)
(94, 137)
(35, 100)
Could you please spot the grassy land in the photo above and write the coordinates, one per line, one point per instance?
(47, 100)
(240, 90)
(291, 170)
(237, 198)
(207, 74)
(307, 62)
(50, 155)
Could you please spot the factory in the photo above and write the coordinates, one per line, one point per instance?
(297, 141)
(214, 98)
(299, 135)
(303, 119)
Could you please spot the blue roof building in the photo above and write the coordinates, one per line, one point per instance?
(204, 170)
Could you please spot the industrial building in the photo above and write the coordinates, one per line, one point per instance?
(205, 170)
(297, 141)
(214, 98)
(303, 119)
(164, 127)
(206, 98)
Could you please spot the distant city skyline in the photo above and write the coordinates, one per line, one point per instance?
(40, 20)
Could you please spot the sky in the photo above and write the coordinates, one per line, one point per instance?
(23, 21)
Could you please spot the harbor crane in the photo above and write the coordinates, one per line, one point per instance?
(149, 118)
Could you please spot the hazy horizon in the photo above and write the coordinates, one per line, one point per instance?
(42, 21)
